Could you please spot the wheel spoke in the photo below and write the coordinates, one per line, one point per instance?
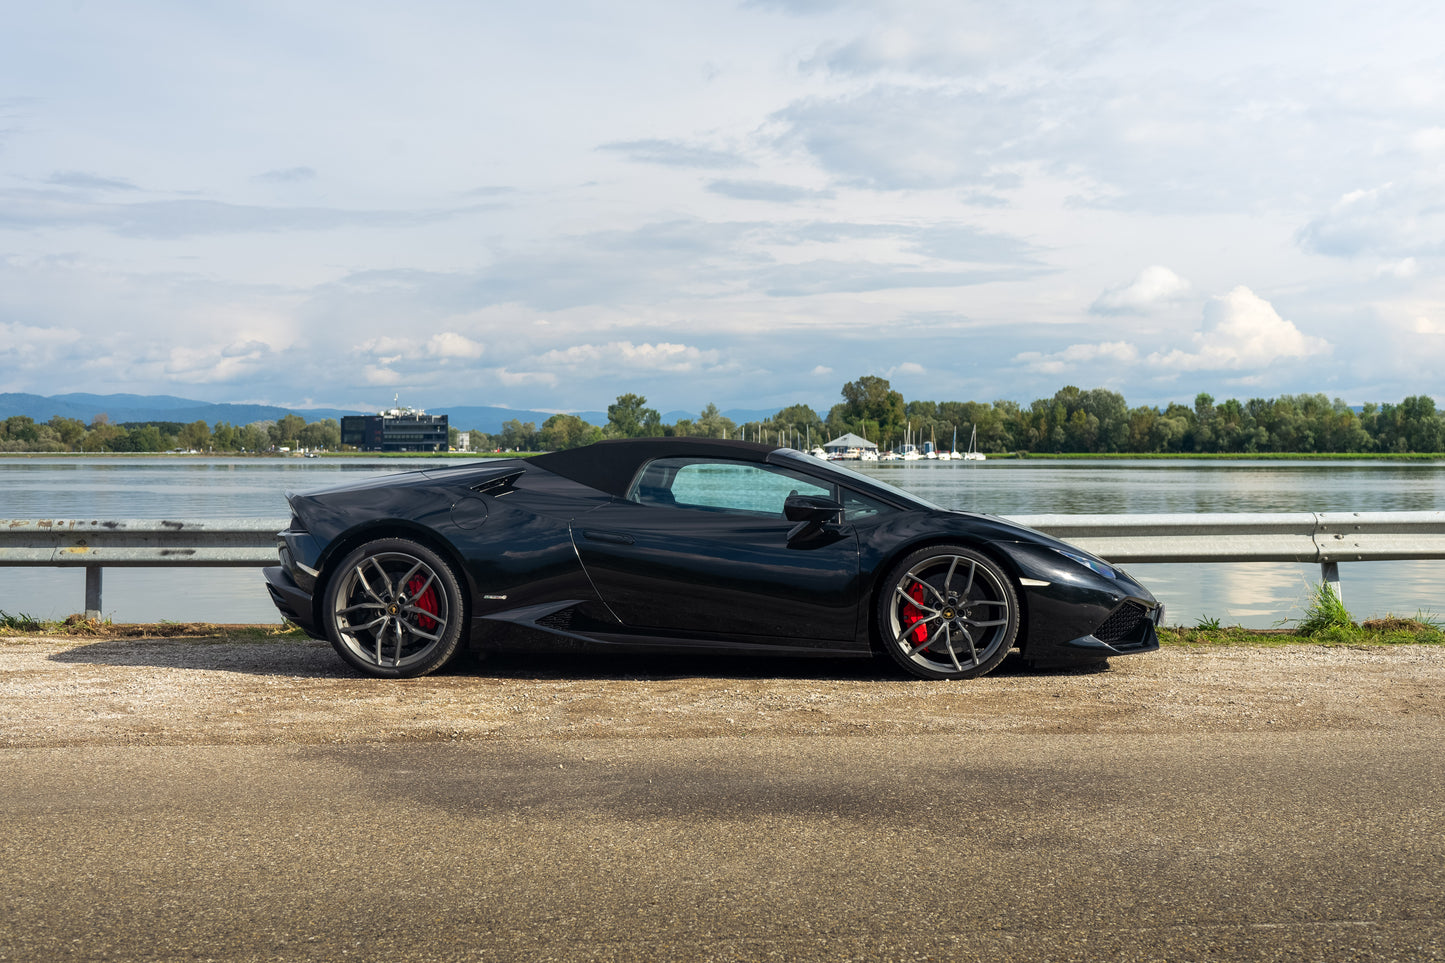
(972, 572)
(942, 626)
(405, 580)
(972, 652)
(430, 578)
(426, 614)
(984, 625)
(414, 630)
(933, 591)
(361, 605)
(948, 637)
(365, 585)
(901, 639)
(920, 606)
(389, 586)
(369, 625)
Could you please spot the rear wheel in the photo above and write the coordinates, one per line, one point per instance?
(948, 612)
(394, 609)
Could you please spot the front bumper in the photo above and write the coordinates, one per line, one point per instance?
(1075, 632)
(1074, 614)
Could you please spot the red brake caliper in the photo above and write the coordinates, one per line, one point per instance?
(913, 615)
(427, 601)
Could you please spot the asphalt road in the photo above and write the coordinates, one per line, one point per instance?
(1313, 845)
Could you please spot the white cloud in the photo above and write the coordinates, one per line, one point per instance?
(449, 344)
(378, 375)
(675, 154)
(34, 347)
(1074, 355)
(1424, 325)
(1242, 330)
(908, 369)
(21, 336)
(624, 355)
(513, 379)
(1402, 270)
(1153, 286)
(444, 345)
(1429, 140)
(245, 349)
(217, 363)
(821, 371)
(1401, 218)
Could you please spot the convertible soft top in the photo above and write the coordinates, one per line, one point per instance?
(610, 466)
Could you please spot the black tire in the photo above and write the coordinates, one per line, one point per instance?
(394, 609)
(947, 612)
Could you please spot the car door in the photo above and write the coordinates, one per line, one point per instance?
(701, 547)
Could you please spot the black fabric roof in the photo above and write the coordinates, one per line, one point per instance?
(610, 466)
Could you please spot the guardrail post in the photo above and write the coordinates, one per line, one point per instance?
(1330, 575)
(92, 591)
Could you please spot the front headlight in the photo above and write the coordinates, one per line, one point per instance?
(1093, 564)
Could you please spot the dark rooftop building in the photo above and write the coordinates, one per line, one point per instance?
(398, 429)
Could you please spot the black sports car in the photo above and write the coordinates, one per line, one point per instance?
(685, 545)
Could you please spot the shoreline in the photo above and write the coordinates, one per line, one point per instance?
(1001, 457)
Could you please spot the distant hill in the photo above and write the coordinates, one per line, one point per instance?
(140, 408)
(490, 419)
(738, 415)
(132, 408)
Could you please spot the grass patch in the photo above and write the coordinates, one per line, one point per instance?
(1325, 614)
(1228, 456)
(1420, 629)
(77, 626)
(19, 622)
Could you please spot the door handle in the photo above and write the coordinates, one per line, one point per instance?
(616, 538)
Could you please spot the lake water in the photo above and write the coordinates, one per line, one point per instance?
(1257, 595)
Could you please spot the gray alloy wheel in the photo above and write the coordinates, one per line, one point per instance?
(948, 612)
(394, 609)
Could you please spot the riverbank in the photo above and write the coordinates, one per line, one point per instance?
(1225, 456)
(1309, 456)
(267, 455)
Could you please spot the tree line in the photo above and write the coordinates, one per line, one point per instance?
(1094, 421)
(1074, 420)
(22, 433)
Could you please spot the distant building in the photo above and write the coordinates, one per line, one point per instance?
(396, 429)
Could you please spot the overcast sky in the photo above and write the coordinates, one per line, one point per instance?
(749, 203)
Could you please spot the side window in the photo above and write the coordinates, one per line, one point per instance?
(722, 486)
(857, 507)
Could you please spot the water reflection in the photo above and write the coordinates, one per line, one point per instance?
(1009, 487)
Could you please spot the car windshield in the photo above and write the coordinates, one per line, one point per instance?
(854, 479)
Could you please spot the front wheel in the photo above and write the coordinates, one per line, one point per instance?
(947, 612)
(394, 609)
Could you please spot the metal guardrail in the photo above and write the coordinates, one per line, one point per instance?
(137, 543)
(1323, 538)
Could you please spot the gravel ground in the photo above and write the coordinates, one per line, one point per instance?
(164, 692)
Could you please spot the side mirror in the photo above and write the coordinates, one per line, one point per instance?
(811, 508)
